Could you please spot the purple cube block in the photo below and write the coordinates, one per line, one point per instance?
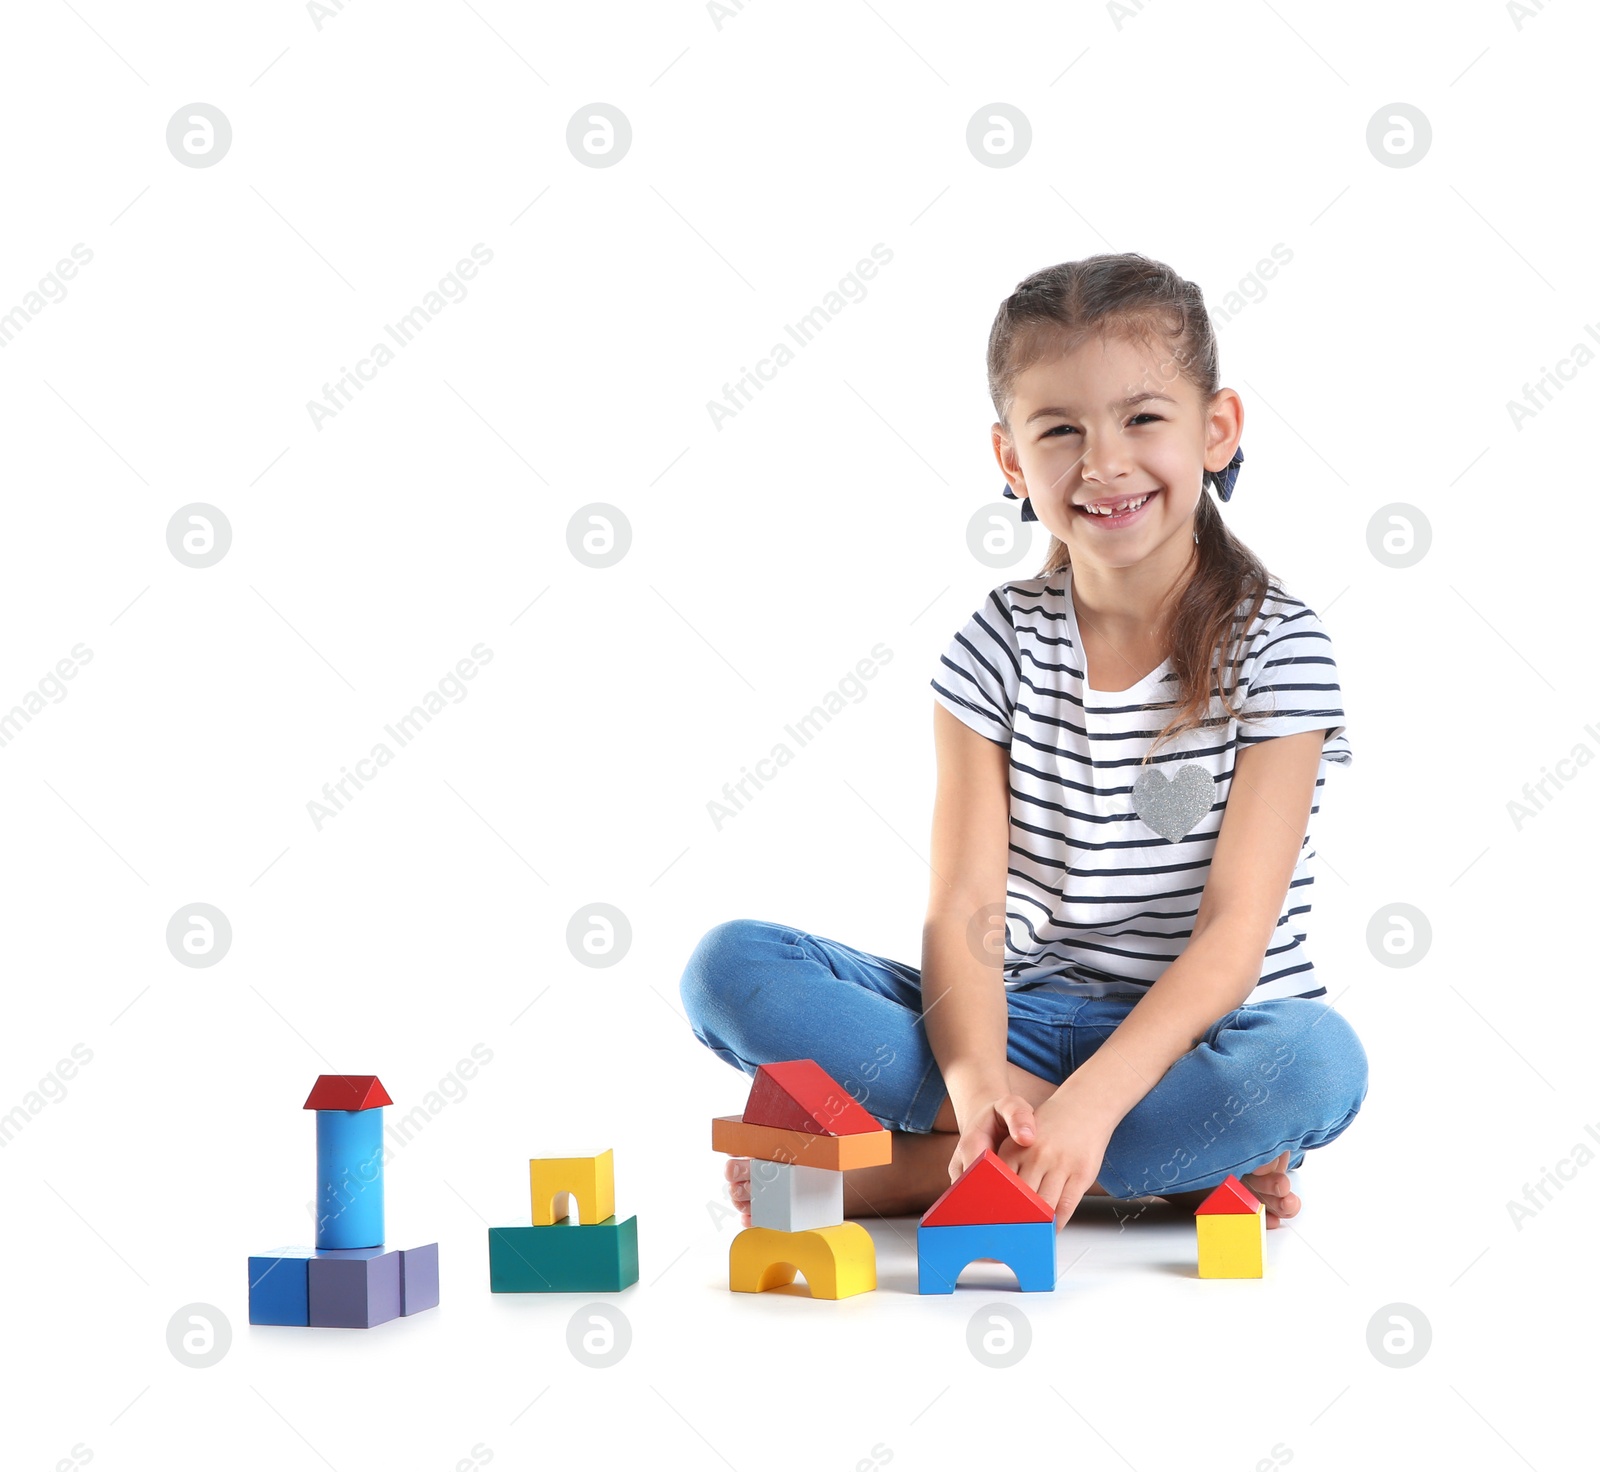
(419, 1278)
(353, 1288)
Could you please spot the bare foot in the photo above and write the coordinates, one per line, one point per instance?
(737, 1174)
(1269, 1184)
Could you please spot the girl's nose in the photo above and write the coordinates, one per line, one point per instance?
(1102, 462)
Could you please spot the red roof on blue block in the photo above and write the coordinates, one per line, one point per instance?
(348, 1091)
(989, 1192)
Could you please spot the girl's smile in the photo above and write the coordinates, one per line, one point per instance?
(1112, 512)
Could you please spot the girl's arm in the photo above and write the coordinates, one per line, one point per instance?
(1269, 808)
(963, 996)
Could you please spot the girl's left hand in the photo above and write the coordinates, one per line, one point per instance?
(1065, 1158)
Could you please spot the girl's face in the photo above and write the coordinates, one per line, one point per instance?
(1114, 424)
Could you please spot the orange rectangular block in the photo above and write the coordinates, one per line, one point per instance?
(732, 1136)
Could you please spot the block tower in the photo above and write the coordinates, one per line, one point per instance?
(348, 1280)
(990, 1212)
(801, 1132)
(1231, 1232)
(595, 1254)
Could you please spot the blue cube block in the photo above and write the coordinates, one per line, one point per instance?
(278, 1287)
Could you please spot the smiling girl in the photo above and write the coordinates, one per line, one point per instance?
(1115, 991)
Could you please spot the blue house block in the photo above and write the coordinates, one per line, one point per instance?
(278, 1287)
(1027, 1248)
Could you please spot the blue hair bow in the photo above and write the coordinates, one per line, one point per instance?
(1222, 481)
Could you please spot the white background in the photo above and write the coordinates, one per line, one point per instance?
(769, 155)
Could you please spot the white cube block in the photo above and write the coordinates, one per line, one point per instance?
(795, 1198)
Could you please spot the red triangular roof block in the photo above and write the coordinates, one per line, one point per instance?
(802, 1095)
(1231, 1198)
(988, 1192)
(348, 1091)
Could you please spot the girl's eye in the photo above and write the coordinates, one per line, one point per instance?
(1068, 429)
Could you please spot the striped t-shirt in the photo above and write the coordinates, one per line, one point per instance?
(1106, 868)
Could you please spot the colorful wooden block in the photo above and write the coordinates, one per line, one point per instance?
(353, 1288)
(802, 1095)
(837, 1262)
(419, 1278)
(349, 1177)
(1027, 1248)
(278, 1287)
(1231, 1232)
(988, 1191)
(347, 1091)
(732, 1136)
(566, 1257)
(589, 1179)
(794, 1198)
(1231, 1198)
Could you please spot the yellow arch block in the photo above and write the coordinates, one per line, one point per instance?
(1232, 1246)
(590, 1178)
(837, 1261)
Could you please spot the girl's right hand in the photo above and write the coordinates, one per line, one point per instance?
(989, 1126)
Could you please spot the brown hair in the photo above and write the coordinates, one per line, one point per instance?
(1132, 296)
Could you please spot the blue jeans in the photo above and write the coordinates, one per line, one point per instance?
(1267, 1077)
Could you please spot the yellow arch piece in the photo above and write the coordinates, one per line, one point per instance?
(837, 1261)
(590, 1178)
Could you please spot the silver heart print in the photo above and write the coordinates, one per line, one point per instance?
(1173, 808)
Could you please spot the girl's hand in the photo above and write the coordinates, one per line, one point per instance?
(1008, 1120)
(1063, 1158)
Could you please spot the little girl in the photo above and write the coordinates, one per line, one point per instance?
(1130, 748)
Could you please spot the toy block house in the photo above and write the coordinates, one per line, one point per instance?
(801, 1132)
(1231, 1232)
(348, 1280)
(595, 1254)
(989, 1212)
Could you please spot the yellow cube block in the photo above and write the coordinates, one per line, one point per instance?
(589, 1179)
(1232, 1246)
